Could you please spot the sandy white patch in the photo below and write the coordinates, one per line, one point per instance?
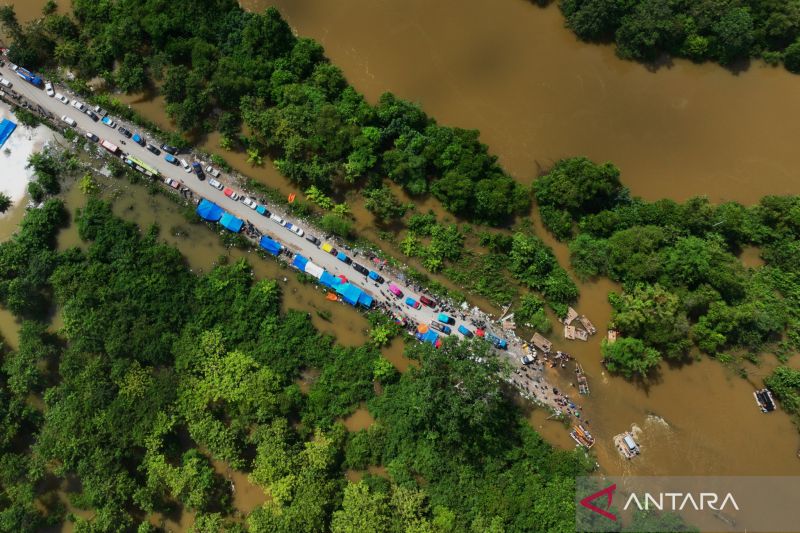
(14, 177)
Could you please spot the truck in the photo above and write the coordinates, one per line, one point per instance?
(141, 166)
(30, 77)
(438, 326)
(111, 147)
(497, 341)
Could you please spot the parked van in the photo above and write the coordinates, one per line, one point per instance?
(69, 121)
(446, 319)
(464, 331)
(427, 301)
(394, 289)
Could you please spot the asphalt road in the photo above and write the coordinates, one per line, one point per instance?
(268, 227)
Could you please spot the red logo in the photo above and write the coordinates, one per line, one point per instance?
(608, 492)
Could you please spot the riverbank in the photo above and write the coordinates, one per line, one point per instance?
(14, 155)
(673, 132)
(193, 190)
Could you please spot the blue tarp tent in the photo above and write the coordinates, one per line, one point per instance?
(365, 300)
(269, 245)
(231, 223)
(328, 279)
(350, 293)
(261, 210)
(6, 129)
(299, 262)
(209, 210)
(431, 337)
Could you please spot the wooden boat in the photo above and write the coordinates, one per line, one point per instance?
(764, 400)
(626, 446)
(541, 343)
(728, 519)
(582, 436)
(587, 325)
(583, 383)
(571, 316)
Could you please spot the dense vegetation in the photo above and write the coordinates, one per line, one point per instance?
(785, 384)
(219, 66)
(724, 31)
(684, 286)
(158, 372)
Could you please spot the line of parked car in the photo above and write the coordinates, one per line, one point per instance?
(442, 324)
(97, 113)
(197, 168)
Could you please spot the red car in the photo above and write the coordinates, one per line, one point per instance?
(230, 193)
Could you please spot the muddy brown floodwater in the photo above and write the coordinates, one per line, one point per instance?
(511, 70)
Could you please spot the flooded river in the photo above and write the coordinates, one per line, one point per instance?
(511, 70)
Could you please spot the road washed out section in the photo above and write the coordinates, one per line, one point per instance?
(394, 295)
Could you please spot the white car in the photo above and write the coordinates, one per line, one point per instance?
(277, 219)
(48, 88)
(5, 83)
(61, 98)
(297, 230)
(69, 121)
(213, 171)
(249, 202)
(186, 166)
(78, 105)
(214, 183)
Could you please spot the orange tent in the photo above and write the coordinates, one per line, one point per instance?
(422, 328)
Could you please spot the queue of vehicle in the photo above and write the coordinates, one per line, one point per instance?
(444, 322)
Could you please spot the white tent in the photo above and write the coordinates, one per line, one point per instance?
(314, 270)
